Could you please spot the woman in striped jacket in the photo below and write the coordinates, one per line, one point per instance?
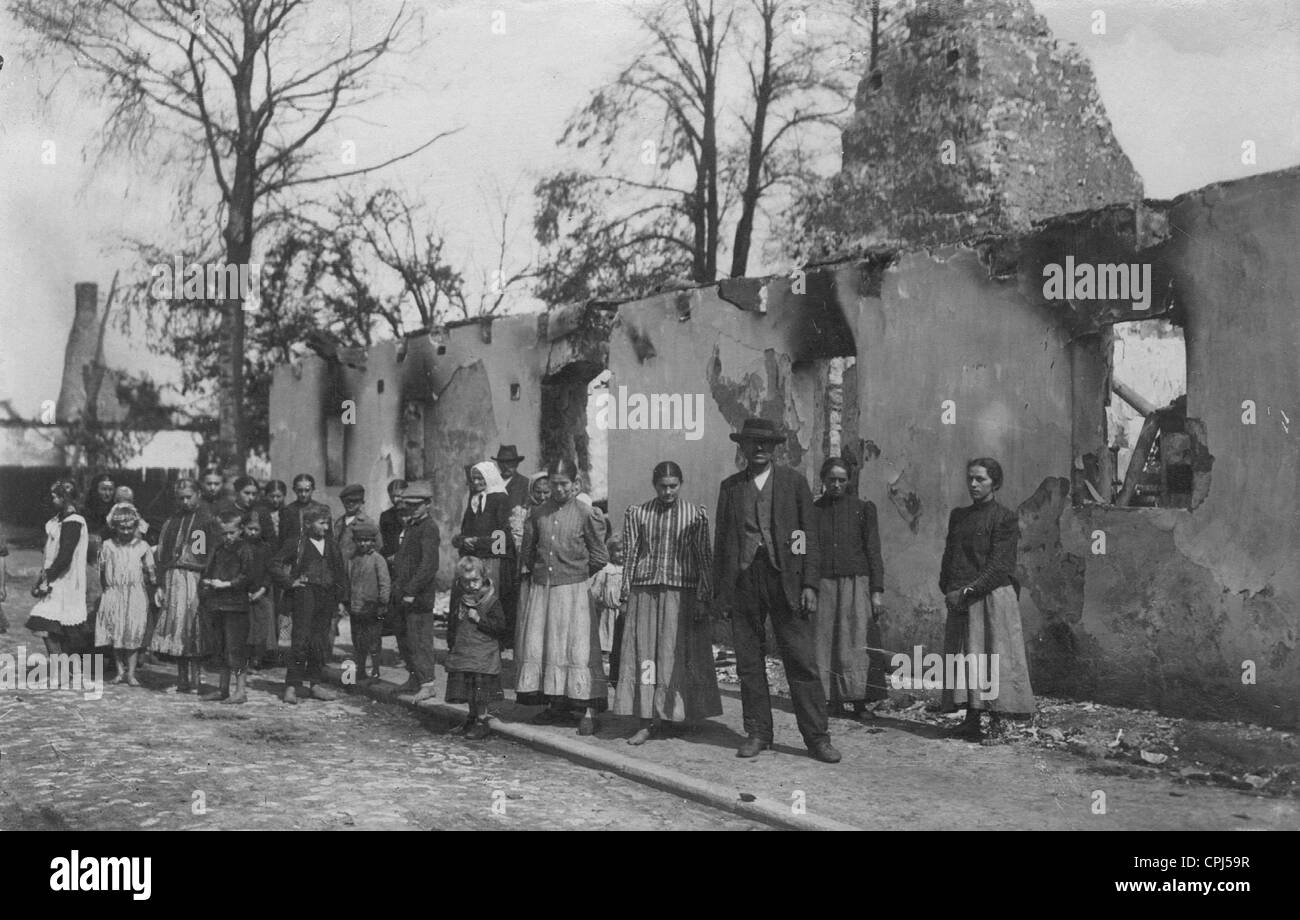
(666, 670)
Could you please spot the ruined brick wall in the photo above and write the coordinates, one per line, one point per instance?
(975, 122)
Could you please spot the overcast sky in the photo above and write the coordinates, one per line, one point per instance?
(1184, 82)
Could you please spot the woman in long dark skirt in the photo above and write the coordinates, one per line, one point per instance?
(851, 596)
(666, 670)
(980, 589)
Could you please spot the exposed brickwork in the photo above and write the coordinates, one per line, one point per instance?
(975, 122)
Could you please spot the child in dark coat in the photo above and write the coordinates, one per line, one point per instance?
(474, 633)
(369, 587)
(263, 632)
(224, 593)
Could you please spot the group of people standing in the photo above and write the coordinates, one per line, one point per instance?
(231, 579)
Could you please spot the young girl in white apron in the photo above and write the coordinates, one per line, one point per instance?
(59, 615)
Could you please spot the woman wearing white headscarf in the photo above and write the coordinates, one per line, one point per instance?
(485, 533)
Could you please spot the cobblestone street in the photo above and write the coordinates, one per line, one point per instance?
(147, 758)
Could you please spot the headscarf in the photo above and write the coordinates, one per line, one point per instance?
(491, 475)
(531, 481)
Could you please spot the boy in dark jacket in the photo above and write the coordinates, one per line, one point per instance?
(311, 569)
(224, 590)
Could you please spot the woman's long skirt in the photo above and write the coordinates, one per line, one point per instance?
(666, 658)
(994, 673)
(844, 633)
(177, 631)
(557, 648)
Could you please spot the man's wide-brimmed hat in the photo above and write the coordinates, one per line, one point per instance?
(759, 429)
(507, 453)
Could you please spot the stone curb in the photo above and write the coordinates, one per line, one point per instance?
(650, 774)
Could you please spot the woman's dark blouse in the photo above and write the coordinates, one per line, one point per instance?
(494, 518)
(849, 539)
(981, 549)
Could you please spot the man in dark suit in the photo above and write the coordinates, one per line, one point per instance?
(766, 564)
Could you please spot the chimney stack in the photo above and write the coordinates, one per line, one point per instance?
(82, 348)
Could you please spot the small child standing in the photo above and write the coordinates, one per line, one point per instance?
(369, 586)
(606, 588)
(474, 633)
(263, 632)
(127, 575)
(225, 600)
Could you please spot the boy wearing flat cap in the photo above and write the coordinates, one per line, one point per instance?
(353, 497)
(369, 587)
(415, 568)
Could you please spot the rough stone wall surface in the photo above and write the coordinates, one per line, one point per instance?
(977, 122)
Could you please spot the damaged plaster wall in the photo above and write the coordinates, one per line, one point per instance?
(1181, 601)
(951, 365)
(373, 452)
(488, 392)
(753, 354)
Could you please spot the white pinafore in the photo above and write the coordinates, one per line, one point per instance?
(66, 602)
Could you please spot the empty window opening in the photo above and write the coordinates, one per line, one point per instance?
(514, 391)
(1147, 434)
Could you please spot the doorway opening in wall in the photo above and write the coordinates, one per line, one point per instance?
(568, 426)
(597, 438)
(1150, 443)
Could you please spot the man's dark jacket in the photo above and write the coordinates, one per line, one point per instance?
(792, 517)
(415, 567)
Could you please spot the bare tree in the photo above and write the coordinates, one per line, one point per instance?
(721, 143)
(790, 89)
(503, 277)
(236, 93)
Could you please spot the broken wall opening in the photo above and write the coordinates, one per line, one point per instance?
(1147, 432)
(565, 419)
